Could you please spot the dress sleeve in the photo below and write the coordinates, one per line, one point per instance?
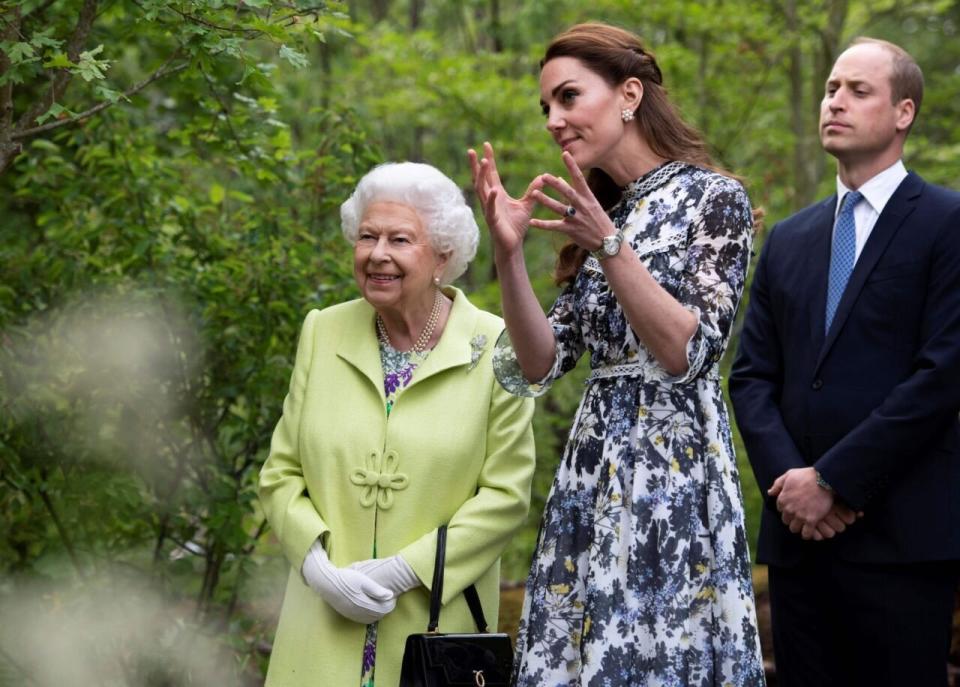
(282, 488)
(714, 272)
(569, 347)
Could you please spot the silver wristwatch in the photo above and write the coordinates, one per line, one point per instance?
(610, 247)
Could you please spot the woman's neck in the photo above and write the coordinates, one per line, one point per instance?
(630, 160)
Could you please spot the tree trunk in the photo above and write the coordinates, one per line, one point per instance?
(823, 64)
(8, 148)
(380, 10)
(803, 193)
(495, 30)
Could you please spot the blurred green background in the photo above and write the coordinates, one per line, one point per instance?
(170, 178)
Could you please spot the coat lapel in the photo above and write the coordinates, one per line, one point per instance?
(358, 341)
(453, 349)
(897, 209)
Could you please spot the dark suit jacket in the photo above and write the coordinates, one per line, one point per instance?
(874, 402)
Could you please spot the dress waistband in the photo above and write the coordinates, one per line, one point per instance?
(624, 370)
(648, 369)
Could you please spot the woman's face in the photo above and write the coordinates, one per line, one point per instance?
(393, 261)
(582, 111)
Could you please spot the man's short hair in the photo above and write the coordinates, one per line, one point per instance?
(906, 78)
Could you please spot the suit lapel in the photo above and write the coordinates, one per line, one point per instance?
(818, 266)
(896, 211)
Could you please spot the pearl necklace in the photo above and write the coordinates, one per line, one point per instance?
(421, 343)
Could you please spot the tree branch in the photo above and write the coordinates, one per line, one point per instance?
(6, 91)
(58, 524)
(38, 11)
(63, 76)
(159, 74)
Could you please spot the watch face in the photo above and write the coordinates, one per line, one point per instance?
(611, 244)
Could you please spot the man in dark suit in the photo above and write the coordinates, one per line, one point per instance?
(846, 389)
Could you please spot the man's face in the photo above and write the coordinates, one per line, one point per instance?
(858, 119)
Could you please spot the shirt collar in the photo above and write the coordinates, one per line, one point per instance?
(878, 189)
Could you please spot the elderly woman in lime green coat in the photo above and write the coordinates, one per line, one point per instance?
(393, 425)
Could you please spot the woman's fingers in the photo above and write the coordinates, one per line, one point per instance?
(490, 159)
(550, 203)
(576, 176)
(561, 186)
(549, 225)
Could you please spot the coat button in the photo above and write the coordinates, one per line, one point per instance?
(817, 384)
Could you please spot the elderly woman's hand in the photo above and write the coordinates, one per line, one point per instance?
(350, 593)
(393, 572)
(508, 218)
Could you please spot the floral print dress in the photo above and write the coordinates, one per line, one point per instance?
(642, 573)
(398, 369)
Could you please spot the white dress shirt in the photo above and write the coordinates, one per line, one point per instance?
(876, 192)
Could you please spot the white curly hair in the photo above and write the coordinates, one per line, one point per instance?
(449, 221)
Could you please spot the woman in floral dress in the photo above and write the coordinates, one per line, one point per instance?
(642, 572)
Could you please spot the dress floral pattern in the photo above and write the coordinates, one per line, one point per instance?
(642, 571)
(398, 369)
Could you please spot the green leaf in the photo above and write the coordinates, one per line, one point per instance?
(89, 67)
(43, 39)
(19, 52)
(297, 59)
(217, 194)
(58, 61)
(56, 110)
(241, 196)
(110, 94)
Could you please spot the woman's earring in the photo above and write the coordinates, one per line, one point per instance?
(436, 281)
(627, 114)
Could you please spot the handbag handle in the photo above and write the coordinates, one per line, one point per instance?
(436, 589)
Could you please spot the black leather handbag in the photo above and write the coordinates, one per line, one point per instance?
(433, 659)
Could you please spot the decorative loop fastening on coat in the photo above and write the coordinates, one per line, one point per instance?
(379, 480)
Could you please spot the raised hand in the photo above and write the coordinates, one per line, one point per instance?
(583, 219)
(508, 218)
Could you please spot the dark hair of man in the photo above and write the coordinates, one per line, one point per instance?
(617, 55)
(906, 78)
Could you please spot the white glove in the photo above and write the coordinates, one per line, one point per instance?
(350, 593)
(393, 573)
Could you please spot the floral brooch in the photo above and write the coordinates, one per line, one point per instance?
(477, 346)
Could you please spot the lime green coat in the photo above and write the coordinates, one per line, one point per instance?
(456, 449)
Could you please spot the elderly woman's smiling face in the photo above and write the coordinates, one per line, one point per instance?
(394, 262)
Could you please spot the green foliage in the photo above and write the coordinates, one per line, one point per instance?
(156, 264)
(170, 176)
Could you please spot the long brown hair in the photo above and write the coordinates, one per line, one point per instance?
(617, 55)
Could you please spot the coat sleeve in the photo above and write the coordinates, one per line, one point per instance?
(916, 412)
(756, 384)
(282, 488)
(480, 529)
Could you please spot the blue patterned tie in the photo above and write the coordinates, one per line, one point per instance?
(842, 255)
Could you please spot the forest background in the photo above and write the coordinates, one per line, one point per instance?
(170, 179)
